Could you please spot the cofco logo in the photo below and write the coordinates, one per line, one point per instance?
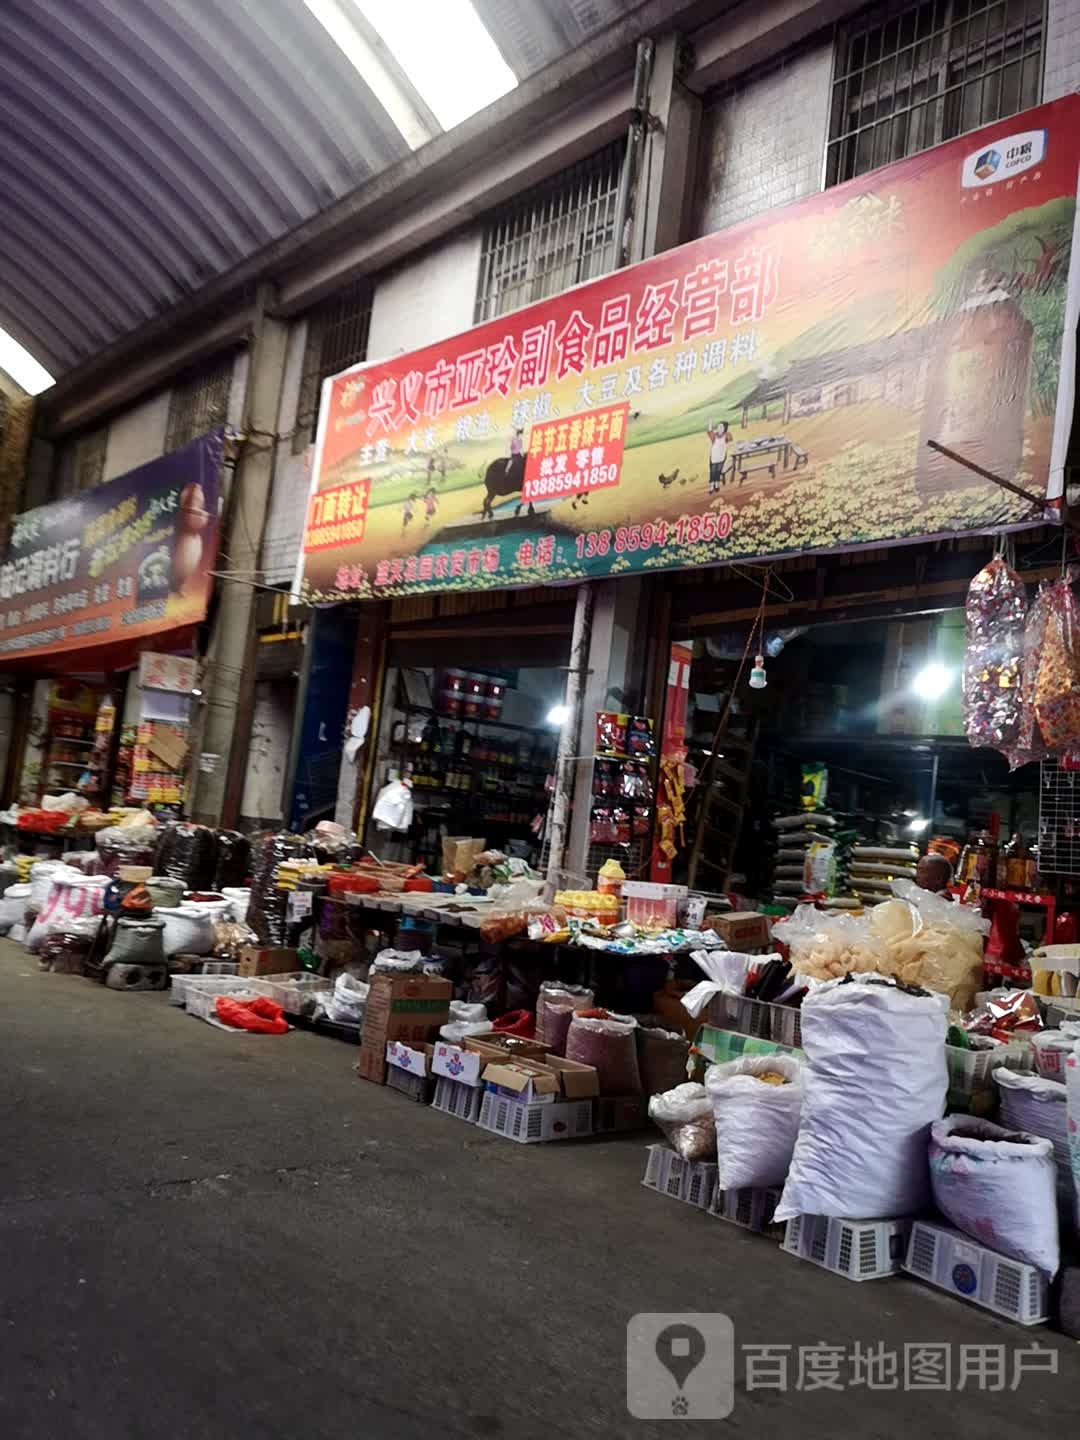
(1004, 159)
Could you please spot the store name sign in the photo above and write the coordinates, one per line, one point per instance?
(764, 391)
(127, 559)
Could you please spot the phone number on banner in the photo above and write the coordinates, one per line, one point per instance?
(570, 482)
(687, 530)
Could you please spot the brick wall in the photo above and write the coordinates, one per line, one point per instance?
(1062, 73)
(763, 142)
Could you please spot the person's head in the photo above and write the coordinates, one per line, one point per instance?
(519, 431)
(412, 497)
(723, 427)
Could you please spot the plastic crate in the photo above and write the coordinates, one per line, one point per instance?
(782, 1024)
(188, 985)
(202, 999)
(295, 991)
(669, 1174)
(219, 967)
(454, 1098)
(530, 1121)
(857, 1249)
(753, 1209)
(952, 1262)
(178, 989)
(416, 1087)
(614, 1113)
(970, 1070)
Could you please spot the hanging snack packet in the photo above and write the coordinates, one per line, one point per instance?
(993, 656)
(1057, 685)
(1028, 744)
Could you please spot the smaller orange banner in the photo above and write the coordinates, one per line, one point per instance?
(574, 457)
(337, 516)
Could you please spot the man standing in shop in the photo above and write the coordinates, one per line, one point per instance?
(719, 435)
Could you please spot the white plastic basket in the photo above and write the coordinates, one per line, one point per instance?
(454, 1098)
(753, 1209)
(201, 998)
(178, 989)
(219, 967)
(857, 1249)
(530, 1121)
(669, 1174)
(295, 990)
(960, 1266)
(970, 1070)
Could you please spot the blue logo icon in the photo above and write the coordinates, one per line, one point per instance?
(987, 164)
(965, 1279)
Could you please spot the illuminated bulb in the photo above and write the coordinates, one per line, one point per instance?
(932, 681)
(558, 715)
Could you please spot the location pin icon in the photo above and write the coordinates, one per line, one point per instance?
(680, 1349)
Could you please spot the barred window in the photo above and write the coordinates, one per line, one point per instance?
(337, 337)
(199, 402)
(906, 79)
(552, 237)
(79, 463)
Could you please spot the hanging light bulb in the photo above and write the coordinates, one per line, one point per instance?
(757, 674)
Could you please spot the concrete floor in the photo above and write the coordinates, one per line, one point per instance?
(212, 1236)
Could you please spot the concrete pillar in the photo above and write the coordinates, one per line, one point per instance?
(229, 683)
(663, 204)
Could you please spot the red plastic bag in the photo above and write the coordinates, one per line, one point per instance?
(255, 1012)
(516, 1022)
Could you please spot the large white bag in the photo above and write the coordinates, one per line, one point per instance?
(998, 1186)
(1035, 1105)
(875, 1082)
(756, 1123)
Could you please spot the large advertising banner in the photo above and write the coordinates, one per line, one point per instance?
(127, 559)
(759, 392)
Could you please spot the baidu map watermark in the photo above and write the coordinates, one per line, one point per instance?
(688, 1367)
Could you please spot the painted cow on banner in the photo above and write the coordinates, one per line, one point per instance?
(504, 477)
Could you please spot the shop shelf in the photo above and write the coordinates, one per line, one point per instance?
(530, 1121)
(856, 1249)
(752, 1209)
(454, 1098)
(693, 1181)
(960, 1266)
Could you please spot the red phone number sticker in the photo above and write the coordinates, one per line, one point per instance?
(576, 456)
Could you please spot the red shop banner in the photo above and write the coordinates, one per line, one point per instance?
(764, 391)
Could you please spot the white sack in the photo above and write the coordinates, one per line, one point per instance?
(1037, 1106)
(756, 1124)
(875, 1082)
(998, 1187)
(727, 971)
(684, 1114)
(13, 907)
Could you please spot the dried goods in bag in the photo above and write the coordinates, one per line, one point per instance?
(684, 1114)
(555, 1006)
(662, 1056)
(875, 1082)
(606, 1042)
(999, 1186)
(756, 1104)
(996, 610)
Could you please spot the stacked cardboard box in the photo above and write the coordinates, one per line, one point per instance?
(412, 1008)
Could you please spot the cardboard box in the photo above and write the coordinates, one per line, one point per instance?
(501, 1047)
(416, 1059)
(454, 1062)
(576, 1081)
(412, 1008)
(409, 1070)
(653, 906)
(741, 930)
(523, 1081)
(267, 960)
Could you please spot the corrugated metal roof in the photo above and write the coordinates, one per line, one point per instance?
(149, 147)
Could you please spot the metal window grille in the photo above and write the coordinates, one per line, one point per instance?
(908, 78)
(553, 237)
(337, 337)
(79, 463)
(199, 402)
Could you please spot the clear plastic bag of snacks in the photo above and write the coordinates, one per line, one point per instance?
(1057, 685)
(994, 656)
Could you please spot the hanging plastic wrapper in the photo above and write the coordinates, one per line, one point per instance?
(1057, 685)
(993, 657)
(1028, 744)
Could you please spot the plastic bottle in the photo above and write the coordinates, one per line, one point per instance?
(610, 878)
